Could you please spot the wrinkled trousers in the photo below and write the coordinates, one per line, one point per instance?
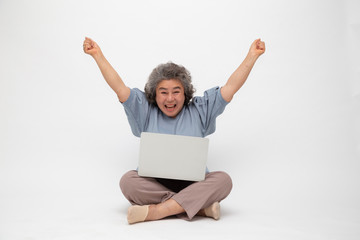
(192, 196)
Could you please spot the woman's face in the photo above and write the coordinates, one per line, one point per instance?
(170, 97)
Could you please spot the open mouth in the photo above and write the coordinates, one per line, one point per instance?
(170, 107)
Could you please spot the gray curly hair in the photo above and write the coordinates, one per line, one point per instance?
(169, 71)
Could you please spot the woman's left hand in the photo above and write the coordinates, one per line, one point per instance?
(257, 48)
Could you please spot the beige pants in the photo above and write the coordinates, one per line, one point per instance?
(192, 196)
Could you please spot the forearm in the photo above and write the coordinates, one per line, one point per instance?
(238, 78)
(112, 77)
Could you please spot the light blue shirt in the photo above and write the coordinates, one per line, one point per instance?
(197, 119)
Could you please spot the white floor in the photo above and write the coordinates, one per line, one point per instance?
(84, 216)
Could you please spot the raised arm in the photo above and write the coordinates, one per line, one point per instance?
(108, 72)
(238, 78)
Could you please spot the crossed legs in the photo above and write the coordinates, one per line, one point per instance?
(153, 201)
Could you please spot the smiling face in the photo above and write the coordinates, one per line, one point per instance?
(170, 97)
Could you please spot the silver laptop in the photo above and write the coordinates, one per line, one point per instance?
(173, 156)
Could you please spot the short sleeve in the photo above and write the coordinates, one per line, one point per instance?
(209, 107)
(137, 109)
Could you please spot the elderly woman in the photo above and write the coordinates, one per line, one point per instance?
(168, 106)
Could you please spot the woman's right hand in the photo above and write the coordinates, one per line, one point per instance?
(90, 47)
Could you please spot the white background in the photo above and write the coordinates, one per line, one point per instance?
(290, 138)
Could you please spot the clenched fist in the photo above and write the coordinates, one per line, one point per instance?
(90, 47)
(257, 48)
